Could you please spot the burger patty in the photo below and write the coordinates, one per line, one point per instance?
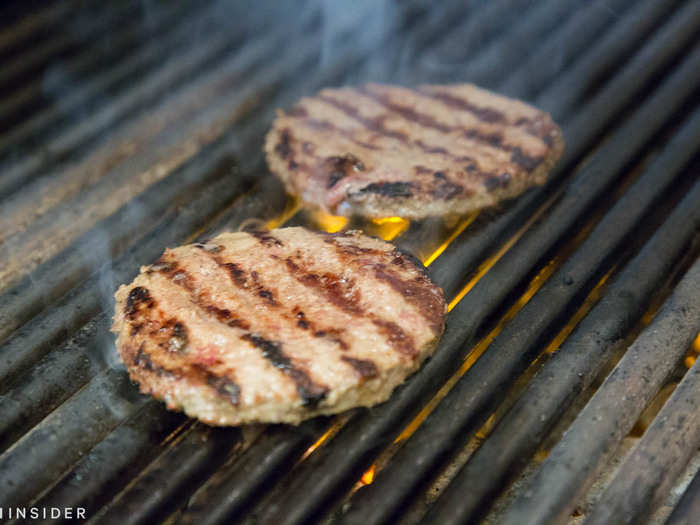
(277, 326)
(380, 151)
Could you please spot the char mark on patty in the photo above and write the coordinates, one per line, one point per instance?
(139, 299)
(311, 394)
(389, 189)
(365, 368)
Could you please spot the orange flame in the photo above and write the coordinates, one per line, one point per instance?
(388, 228)
(328, 222)
(368, 477)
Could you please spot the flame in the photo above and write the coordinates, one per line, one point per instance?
(466, 221)
(292, 207)
(693, 353)
(388, 228)
(328, 222)
(368, 477)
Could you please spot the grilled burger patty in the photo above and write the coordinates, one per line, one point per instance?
(380, 151)
(277, 326)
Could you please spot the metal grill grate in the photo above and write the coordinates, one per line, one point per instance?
(128, 127)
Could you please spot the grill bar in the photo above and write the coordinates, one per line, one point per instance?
(121, 456)
(29, 98)
(82, 134)
(232, 488)
(688, 507)
(571, 370)
(581, 131)
(17, 33)
(614, 408)
(653, 466)
(80, 423)
(465, 408)
(488, 66)
(196, 455)
(549, 57)
(40, 55)
(354, 447)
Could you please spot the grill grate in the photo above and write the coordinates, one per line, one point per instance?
(119, 141)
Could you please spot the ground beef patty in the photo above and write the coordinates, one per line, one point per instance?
(277, 326)
(380, 151)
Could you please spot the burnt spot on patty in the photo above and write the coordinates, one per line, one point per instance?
(389, 189)
(445, 189)
(208, 247)
(284, 146)
(340, 166)
(365, 368)
(266, 238)
(179, 339)
(525, 161)
(143, 360)
(225, 387)
(235, 271)
(139, 299)
(495, 182)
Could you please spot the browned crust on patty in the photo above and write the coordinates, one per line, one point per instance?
(380, 150)
(277, 326)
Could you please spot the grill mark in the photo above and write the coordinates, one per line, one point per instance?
(445, 188)
(143, 360)
(377, 126)
(533, 127)
(484, 114)
(311, 393)
(331, 334)
(226, 317)
(493, 139)
(431, 149)
(324, 125)
(330, 287)
(234, 270)
(224, 386)
(427, 121)
(417, 293)
(397, 338)
(365, 368)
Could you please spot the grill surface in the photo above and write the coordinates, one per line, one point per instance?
(127, 127)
